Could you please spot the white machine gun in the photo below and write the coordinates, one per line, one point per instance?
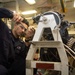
(51, 21)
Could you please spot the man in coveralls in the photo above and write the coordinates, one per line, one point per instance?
(12, 48)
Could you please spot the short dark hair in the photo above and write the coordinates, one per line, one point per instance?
(25, 21)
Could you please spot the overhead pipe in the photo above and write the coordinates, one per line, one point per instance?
(17, 6)
(62, 5)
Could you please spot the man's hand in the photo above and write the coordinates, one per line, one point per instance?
(17, 17)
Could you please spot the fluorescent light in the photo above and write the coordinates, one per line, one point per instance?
(29, 12)
(74, 3)
(31, 1)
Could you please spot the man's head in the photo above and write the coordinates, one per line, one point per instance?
(30, 33)
(20, 28)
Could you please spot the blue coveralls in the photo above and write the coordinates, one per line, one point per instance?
(8, 51)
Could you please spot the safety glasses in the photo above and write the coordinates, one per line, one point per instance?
(22, 27)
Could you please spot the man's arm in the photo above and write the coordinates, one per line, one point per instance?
(6, 13)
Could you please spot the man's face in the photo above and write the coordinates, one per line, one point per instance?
(30, 32)
(20, 28)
